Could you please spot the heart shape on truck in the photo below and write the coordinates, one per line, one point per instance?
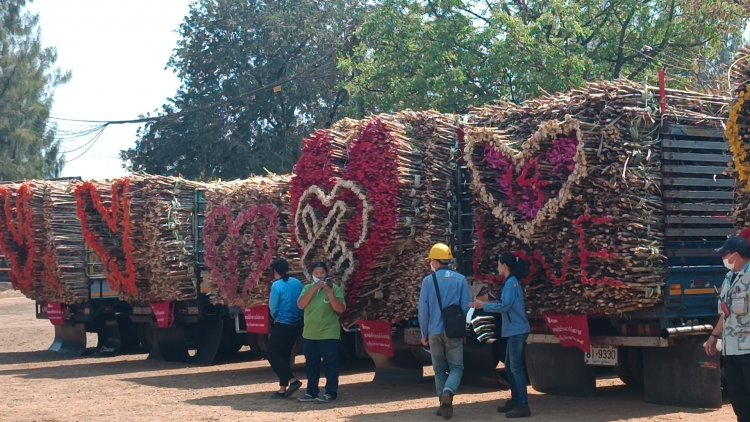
(322, 221)
(240, 249)
(526, 186)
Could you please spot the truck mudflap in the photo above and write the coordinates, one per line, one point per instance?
(70, 338)
(169, 344)
(407, 362)
(682, 375)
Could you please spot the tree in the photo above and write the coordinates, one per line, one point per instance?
(454, 54)
(28, 76)
(256, 76)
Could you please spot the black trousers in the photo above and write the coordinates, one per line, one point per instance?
(280, 347)
(738, 385)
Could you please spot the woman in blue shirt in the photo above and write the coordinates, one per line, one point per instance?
(286, 329)
(516, 329)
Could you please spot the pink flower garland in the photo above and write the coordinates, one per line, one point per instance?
(532, 181)
(264, 223)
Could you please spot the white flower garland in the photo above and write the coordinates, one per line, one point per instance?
(547, 130)
(336, 248)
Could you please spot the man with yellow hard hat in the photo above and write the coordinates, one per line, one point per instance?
(441, 290)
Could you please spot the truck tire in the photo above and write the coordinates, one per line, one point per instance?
(630, 366)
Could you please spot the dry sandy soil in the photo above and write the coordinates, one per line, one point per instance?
(38, 385)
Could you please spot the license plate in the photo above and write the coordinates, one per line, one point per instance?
(412, 336)
(601, 355)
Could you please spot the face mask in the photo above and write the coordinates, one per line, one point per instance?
(728, 265)
(316, 279)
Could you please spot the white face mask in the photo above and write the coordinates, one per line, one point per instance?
(316, 279)
(728, 265)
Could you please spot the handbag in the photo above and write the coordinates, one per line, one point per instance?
(453, 316)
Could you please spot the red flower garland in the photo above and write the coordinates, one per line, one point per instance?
(117, 219)
(537, 261)
(265, 237)
(18, 243)
(373, 164)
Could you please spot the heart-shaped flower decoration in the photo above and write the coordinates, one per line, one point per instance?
(107, 230)
(322, 220)
(239, 250)
(526, 186)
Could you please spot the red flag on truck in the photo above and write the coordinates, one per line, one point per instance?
(572, 331)
(377, 337)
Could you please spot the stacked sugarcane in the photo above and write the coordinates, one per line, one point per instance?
(369, 197)
(141, 228)
(248, 225)
(571, 184)
(65, 250)
(164, 209)
(41, 239)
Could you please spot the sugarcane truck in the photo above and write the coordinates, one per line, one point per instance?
(658, 349)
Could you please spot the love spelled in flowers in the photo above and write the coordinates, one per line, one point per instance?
(17, 236)
(100, 222)
(252, 233)
(538, 264)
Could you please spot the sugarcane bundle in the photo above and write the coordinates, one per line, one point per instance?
(65, 250)
(571, 184)
(369, 197)
(153, 212)
(248, 225)
(42, 241)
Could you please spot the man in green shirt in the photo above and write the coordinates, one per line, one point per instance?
(322, 302)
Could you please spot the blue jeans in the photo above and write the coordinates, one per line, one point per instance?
(448, 362)
(328, 350)
(515, 368)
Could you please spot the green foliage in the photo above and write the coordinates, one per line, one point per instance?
(27, 78)
(351, 58)
(227, 120)
(453, 54)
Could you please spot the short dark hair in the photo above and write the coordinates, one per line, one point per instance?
(444, 262)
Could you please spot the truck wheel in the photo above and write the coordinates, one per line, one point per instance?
(630, 366)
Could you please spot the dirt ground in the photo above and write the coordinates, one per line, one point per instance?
(38, 385)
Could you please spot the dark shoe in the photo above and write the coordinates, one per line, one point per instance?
(307, 398)
(439, 413)
(293, 387)
(278, 395)
(446, 405)
(507, 407)
(327, 398)
(519, 412)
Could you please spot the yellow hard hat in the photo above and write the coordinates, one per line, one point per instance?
(440, 252)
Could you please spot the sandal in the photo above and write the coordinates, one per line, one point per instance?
(292, 388)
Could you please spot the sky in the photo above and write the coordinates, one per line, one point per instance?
(117, 51)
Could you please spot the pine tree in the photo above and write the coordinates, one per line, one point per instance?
(28, 76)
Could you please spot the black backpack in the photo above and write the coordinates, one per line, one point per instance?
(453, 316)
